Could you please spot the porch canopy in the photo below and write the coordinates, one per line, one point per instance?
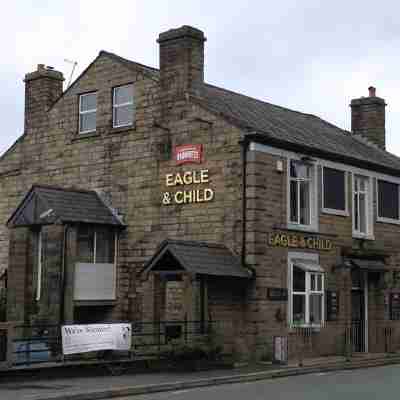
(369, 265)
(45, 205)
(197, 258)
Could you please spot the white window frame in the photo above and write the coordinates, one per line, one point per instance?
(384, 219)
(312, 259)
(345, 212)
(368, 207)
(90, 111)
(313, 187)
(116, 106)
(39, 265)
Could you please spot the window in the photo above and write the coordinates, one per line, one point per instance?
(361, 206)
(87, 112)
(301, 194)
(307, 293)
(96, 244)
(334, 191)
(388, 200)
(123, 106)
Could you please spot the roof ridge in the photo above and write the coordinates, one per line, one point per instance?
(110, 54)
(194, 243)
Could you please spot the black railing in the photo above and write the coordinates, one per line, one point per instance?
(33, 344)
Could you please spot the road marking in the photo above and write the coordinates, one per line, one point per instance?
(180, 391)
(321, 374)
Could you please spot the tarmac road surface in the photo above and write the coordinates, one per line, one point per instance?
(379, 383)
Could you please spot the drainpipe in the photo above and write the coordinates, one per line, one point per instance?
(245, 145)
(63, 275)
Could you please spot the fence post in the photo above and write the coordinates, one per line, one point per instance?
(186, 331)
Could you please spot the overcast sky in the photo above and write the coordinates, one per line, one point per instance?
(309, 55)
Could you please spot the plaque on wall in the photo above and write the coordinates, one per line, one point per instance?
(277, 294)
(332, 305)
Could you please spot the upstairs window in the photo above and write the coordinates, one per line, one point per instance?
(334, 191)
(87, 112)
(300, 193)
(361, 206)
(388, 200)
(123, 106)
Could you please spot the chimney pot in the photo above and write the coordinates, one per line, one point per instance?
(372, 91)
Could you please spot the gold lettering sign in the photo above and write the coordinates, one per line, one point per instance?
(299, 241)
(187, 178)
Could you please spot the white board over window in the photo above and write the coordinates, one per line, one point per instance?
(94, 281)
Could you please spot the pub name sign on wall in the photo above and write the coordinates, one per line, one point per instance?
(187, 154)
(299, 241)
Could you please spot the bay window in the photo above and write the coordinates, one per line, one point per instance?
(95, 270)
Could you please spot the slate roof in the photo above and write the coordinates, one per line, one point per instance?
(200, 258)
(280, 124)
(48, 204)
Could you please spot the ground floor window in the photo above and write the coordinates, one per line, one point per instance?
(306, 287)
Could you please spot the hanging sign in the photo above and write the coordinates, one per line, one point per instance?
(300, 241)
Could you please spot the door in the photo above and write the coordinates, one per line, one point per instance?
(357, 320)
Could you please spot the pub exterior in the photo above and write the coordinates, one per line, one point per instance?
(144, 195)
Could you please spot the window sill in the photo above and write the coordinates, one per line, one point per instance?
(361, 236)
(388, 221)
(122, 129)
(303, 228)
(331, 211)
(95, 302)
(313, 328)
(81, 136)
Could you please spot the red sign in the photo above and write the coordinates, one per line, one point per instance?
(188, 153)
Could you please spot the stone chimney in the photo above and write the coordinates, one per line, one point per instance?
(42, 89)
(368, 118)
(181, 60)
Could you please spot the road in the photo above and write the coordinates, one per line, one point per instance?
(364, 384)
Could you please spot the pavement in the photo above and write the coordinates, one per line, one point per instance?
(128, 384)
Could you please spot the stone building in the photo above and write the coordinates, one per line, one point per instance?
(146, 194)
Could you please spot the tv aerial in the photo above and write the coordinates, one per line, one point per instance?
(74, 64)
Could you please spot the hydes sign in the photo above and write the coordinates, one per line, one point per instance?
(184, 180)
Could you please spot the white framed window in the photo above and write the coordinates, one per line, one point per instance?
(334, 191)
(388, 205)
(87, 112)
(362, 207)
(123, 107)
(306, 290)
(39, 265)
(302, 195)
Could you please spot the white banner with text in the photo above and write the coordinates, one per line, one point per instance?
(93, 337)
